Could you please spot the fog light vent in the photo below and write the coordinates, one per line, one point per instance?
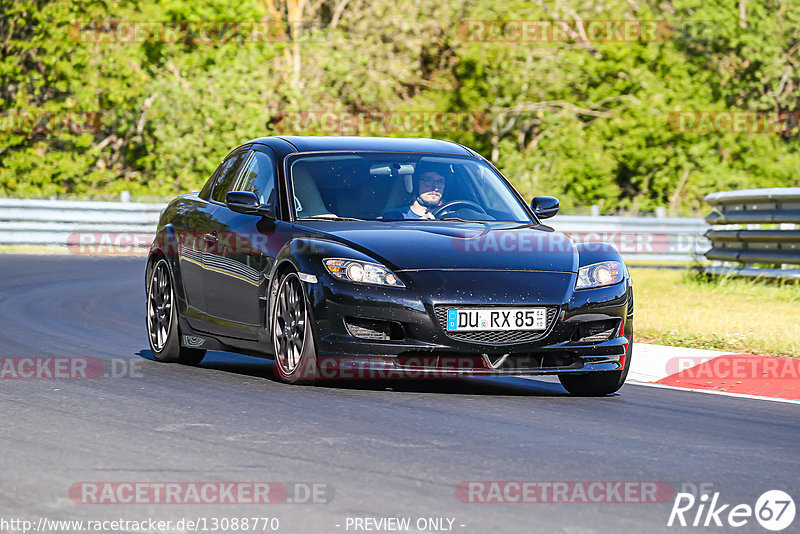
(374, 330)
(596, 331)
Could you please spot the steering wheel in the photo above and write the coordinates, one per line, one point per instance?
(447, 207)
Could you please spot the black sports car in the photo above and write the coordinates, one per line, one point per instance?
(359, 257)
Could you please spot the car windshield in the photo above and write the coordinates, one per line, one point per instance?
(395, 186)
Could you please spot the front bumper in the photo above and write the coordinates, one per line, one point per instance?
(426, 349)
(387, 367)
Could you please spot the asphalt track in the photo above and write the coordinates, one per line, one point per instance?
(396, 449)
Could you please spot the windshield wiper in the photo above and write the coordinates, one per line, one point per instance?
(456, 219)
(320, 218)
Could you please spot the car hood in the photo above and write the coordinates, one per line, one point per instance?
(452, 245)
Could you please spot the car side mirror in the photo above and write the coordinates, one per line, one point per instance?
(247, 202)
(545, 207)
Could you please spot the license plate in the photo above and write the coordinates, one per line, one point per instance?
(496, 319)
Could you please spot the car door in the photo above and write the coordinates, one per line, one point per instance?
(245, 251)
(191, 220)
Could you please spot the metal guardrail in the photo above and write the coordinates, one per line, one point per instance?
(759, 228)
(679, 239)
(64, 223)
(124, 226)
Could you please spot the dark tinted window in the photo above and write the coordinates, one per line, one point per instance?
(226, 174)
(205, 193)
(259, 177)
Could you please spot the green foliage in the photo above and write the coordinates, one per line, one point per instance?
(586, 122)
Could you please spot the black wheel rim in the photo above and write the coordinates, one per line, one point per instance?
(159, 306)
(289, 328)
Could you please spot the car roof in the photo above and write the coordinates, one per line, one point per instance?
(378, 144)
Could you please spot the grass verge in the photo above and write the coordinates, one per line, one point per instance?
(680, 308)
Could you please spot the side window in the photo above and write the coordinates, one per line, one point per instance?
(226, 174)
(259, 177)
(205, 193)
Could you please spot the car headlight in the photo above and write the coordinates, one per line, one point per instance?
(605, 273)
(362, 272)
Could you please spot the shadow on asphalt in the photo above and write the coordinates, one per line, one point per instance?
(239, 364)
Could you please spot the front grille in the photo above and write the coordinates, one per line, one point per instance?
(494, 338)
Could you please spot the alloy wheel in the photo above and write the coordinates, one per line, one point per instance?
(290, 324)
(159, 306)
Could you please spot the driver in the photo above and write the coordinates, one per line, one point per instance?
(428, 188)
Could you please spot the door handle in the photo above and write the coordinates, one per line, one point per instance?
(210, 238)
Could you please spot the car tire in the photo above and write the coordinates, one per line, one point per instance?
(163, 330)
(599, 383)
(292, 335)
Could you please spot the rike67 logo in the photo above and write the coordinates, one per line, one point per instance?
(774, 510)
